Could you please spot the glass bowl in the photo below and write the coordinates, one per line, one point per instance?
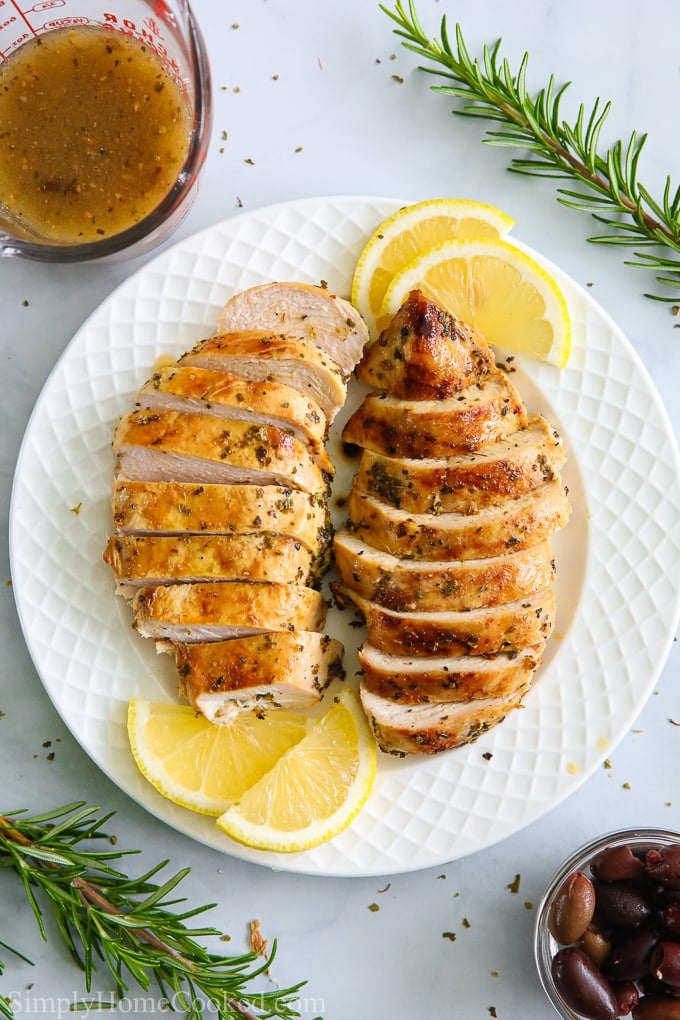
(545, 945)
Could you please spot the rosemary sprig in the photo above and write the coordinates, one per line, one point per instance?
(124, 923)
(607, 184)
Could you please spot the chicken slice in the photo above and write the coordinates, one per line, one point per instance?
(439, 586)
(301, 310)
(425, 354)
(503, 628)
(421, 680)
(281, 669)
(201, 391)
(512, 525)
(482, 413)
(219, 610)
(436, 726)
(506, 469)
(261, 356)
(177, 508)
(159, 446)
(139, 560)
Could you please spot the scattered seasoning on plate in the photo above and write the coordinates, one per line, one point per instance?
(450, 935)
(466, 923)
(388, 886)
(76, 509)
(515, 884)
(373, 907)
(492, 1011)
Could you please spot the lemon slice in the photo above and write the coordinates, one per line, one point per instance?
(495, 287)
(315, 790)
(201, 765)
(411, 231)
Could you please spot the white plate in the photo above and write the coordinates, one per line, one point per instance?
(618, 560)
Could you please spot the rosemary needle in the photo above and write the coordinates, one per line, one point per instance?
(125, 923)
(606, 183)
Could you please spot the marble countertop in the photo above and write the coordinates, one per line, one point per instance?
(312, 99)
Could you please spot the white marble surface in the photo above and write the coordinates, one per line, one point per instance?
(318, 77)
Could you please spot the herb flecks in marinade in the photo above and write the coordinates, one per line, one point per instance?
(107, 134)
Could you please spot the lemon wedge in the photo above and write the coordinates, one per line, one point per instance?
(497, 288)
(314, 790)
(201, 765)
(408, 233)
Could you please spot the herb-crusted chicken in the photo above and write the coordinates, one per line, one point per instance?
(220, 501)
(446, 553)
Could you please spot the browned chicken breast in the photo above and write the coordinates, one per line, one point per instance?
(446, 552)
(139, 560)
(437, 726)
(297, 309)
(279, 669)
(261, 356)
(494, 472)
(438, 586)
(201, 391)
(482, 413)
(217, 611)
(418, 680)
(425, 354)
(170, 508)
(494, 530)
(220, 501)
(502, 628)
(157, 446)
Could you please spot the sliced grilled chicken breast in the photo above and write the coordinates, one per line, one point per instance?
(139, 560)
(262, 356)
(506, 469)
(438, 586)
(494, 530)
(201, 391)
(281, 669)
(217, 611)
(297, 309)
(482, 413)
(159, 446)
(170, 508)
(425, 354)
(419, 680)
(435, 726)
(504, 628)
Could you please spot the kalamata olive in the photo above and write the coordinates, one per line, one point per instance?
(664, 865)
(665, 963)
(627, 996)
(616, 864)
(670, 918)
(620, 906)
(629, 961)
(657, 1008)
(572, 909)
(582, 986)
(596, 945)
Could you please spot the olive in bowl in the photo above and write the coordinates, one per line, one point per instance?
(607, 932)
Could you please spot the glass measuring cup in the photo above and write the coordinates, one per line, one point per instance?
(169, 33)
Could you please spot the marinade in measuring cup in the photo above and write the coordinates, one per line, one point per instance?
(93, 133)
